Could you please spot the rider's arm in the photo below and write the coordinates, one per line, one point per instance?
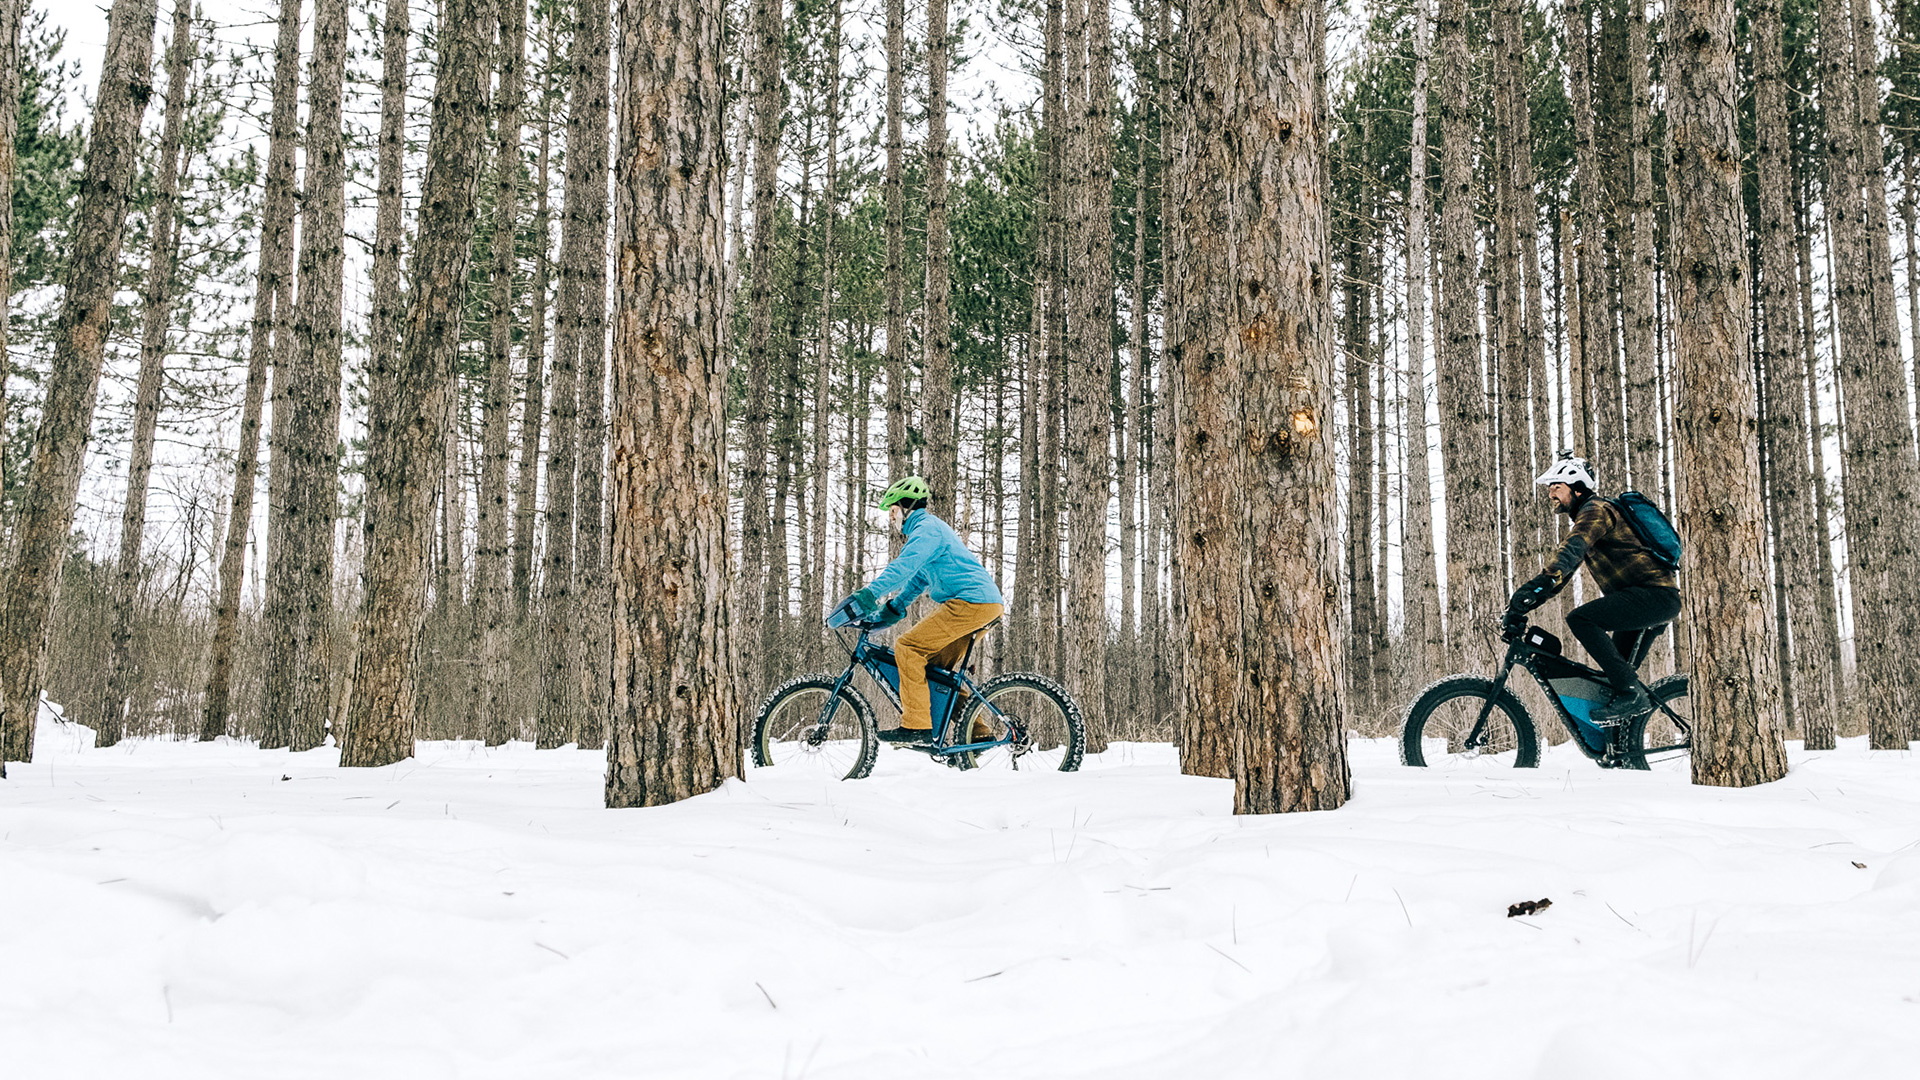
(904, 571)
(1588, 526)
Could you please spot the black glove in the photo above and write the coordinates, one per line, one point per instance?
(1535, 592)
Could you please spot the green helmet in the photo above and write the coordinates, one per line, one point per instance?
(907, 490)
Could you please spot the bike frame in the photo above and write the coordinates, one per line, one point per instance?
(864, 655)
(1525, 654)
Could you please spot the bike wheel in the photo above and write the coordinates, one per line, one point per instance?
(1666, 733)
(787, 730)
(1047, 732)
(1445, 713)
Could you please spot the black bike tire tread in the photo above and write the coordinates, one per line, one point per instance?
(1452, 686)
(1076, 723)
(819, 680)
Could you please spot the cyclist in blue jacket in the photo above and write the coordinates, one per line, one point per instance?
(933, 560)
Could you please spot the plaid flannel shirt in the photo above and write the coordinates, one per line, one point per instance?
(1604, 540)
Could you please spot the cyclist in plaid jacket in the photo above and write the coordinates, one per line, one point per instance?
(1639, 594)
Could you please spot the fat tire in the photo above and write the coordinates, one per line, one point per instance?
(1076, 743)
(1670, 689)
(1452, 688)
(761, 751)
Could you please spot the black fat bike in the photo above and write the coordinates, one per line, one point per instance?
(1019, 720)
(1465, 716)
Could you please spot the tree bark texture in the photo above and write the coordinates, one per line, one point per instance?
(756, 554)
(936, 391)
(1057, 117)
(79, 346)
(1256, 370)
(1090, 374)
(1594, 358)
(1419, 584)
(533, 397)
(1735, 688)
(1474, 598)
(156, 303)
(1523, 508)
(591, 624)
(1637, 275)
(676, 724)
(11, 13)
(306, 421)
(899, 446)
(271, 316)
(406, 434)
(814, 601)
(490, 565)
(1878, 443)
(1815, 703)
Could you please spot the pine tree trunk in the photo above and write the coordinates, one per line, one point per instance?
(11, 13)
(156, 318)
(1637, 276)
(1256, 369)
(1359, 330)
(407, 411)
(757, 554)
(1827, 598)
(1090, 374)
(1878, 441)
(1734, 690)
(675, 722)
(1873, 164)
(1419, 585)
(1802, 531)
(299, 610)
(814, 602)
(1473, 557)
(1050, 655)
(40, 540)
(1134, 409)
(936, 388)
(490, 563)
(271, 316)
(1594, 359)
(591, 624)
(1169, 640)
(532, 405)
(1523, 509)
(1028, 579)
(899, 449)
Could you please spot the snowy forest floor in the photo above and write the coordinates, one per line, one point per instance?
(211, 911)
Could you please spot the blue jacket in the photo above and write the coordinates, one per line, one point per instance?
(934, 559)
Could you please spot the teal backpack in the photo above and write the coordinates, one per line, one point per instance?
(1650, 526)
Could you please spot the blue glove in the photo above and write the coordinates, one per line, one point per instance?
(864, 602)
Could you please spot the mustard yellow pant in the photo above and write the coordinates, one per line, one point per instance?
(941, 638)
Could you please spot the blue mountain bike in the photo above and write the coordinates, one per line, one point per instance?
(1462, 717)
(1020, 720)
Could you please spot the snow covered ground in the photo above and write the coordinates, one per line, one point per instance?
(178, 910)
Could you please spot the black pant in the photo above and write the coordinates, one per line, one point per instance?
(1616, 626)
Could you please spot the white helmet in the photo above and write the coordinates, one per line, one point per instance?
(1568, 470)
